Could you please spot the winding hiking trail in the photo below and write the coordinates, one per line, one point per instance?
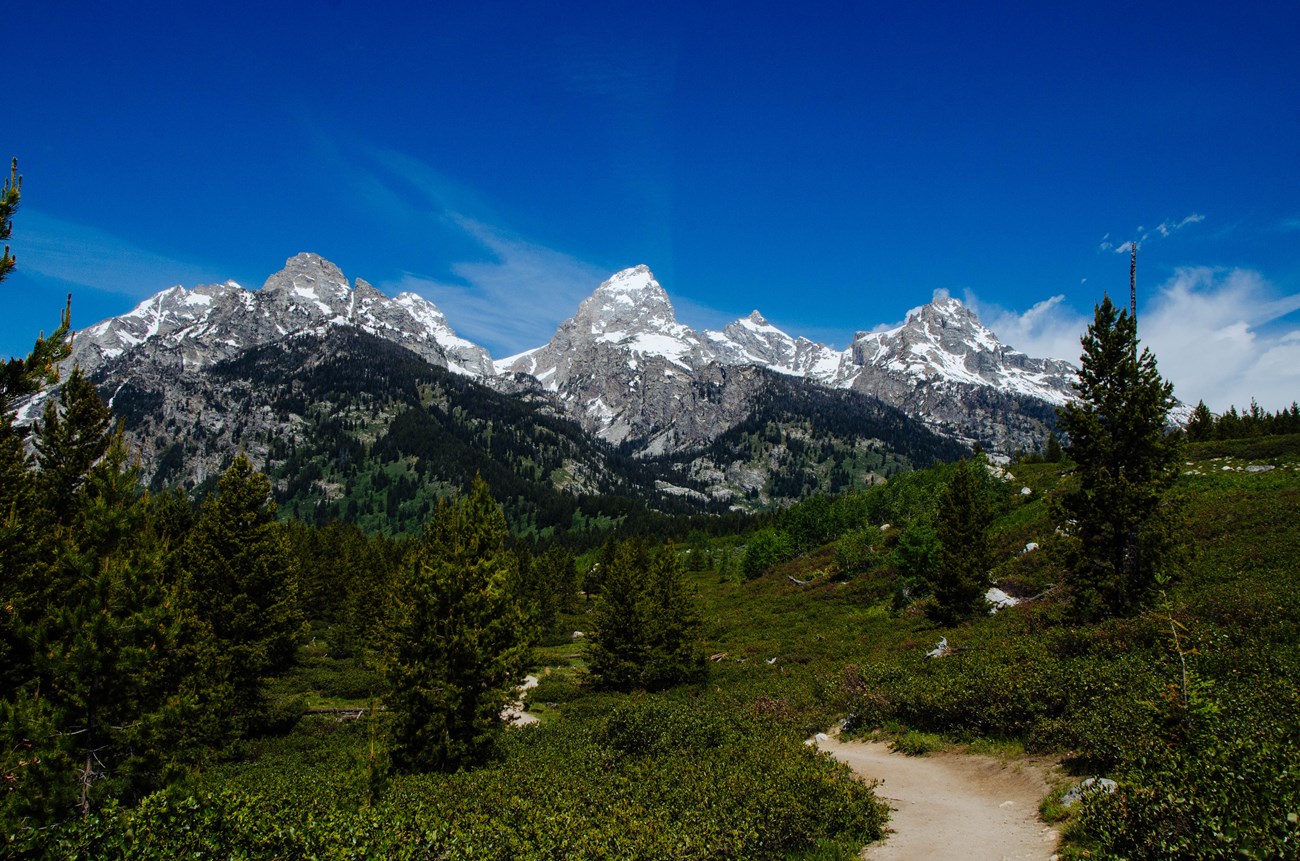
(952, 806)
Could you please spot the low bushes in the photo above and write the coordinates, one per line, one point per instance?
(638, 777)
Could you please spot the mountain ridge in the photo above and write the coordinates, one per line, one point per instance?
(623, 367)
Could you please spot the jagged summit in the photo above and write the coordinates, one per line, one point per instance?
(215, 322)
(629, 302)
(945, 342)
(308, 275)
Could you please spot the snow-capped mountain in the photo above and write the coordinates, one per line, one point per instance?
(947, 369)
(214, 322)
(623, 366)
(627, 370)
(754, 341)
(944, 342)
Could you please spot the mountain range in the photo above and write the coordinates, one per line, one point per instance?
(640, 385)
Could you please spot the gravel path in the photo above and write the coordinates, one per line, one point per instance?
(953, 806)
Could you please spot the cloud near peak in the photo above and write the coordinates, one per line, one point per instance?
(1222, 336)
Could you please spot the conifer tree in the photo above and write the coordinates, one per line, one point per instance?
(455, 645)
(241, 580)
(547, 584)
(24, 538)
(1200, 427)
(102, 628)
(618, 646)
(73, 436)
(19, 377)
(916, 556)
(33, 774)
(91, 700)
(10, 197)
(645, 627)
(1117, 518)
(963, 518)
(1052, 452)
(672, 625)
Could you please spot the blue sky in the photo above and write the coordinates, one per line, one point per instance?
(830, 164)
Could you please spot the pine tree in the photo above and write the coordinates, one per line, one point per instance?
(89, 702)
(24, 552)
(1117, 519)
(9, 199)
(672, 626)
(72, 436)
(965, 556)
(916, 556)
(548, 584)
(644, 630)
(455, 648)
(618, 645)
(101, 630)
(1200, 427)
(1052, 452)
(19, 377)
(240, 579)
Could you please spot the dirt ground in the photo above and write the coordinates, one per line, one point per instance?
(953, 806)
(514, 713)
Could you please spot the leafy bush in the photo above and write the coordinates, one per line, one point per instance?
(700, 784)
(766, 548)
(1234, 793)
(646, 726)
(856, 552)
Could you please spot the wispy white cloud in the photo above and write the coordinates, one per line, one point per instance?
(90, 257)
(513, 301)
(1049, 329)
(1167, 227)
(1224, 337)
(1163, 230)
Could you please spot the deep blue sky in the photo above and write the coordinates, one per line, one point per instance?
(831, 164)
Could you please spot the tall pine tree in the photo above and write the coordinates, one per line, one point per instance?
(645, 627)
(73, 435)
(1117, 518)
(10, 196)
(672, 628)
(1200, 427)
(455, 647)
(240, 579)
(962, 524)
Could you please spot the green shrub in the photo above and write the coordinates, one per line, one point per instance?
(766, 548)
(915, 743)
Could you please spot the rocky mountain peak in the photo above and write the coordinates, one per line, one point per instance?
(309, 282)
(366, 291)
(629, 301)
(310, 294)
(947, 313)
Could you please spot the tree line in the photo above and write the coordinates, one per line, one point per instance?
(1253, 421)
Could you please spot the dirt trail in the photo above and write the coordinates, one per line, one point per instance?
(953, 806)
(514, 714)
